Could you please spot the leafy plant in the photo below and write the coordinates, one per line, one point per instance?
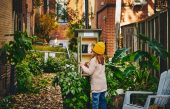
(72, 83)
(48, 48)
(36, 62)
(6, 103)
(15, 50)
(128, 72)
(24, 77)
(73, 44)
(54, 64)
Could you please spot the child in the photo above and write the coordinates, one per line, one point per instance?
(98, 79)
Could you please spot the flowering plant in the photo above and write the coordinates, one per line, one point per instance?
(6, 103)
(74, 88)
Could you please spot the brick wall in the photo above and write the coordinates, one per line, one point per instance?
(108, 25)
(128, 16)
(6, 21)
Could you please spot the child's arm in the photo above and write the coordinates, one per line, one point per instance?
(91, 68)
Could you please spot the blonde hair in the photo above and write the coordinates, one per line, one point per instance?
(100, 58)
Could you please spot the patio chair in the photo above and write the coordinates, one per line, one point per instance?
(161, 98)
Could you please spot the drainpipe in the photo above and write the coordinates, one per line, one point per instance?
(86, 14)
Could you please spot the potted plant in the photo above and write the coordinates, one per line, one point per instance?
(15, 52)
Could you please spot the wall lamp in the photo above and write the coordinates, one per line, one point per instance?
(104, 18)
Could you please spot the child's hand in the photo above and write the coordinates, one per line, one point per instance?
(81, 64)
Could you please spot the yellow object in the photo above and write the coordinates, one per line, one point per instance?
(99, 48)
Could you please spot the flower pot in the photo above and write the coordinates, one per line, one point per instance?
(64, 97)
(119, 91)
(118, 102)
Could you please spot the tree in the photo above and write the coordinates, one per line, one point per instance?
(45, 25)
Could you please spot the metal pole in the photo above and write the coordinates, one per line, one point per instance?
(86, 14)
(87, 27)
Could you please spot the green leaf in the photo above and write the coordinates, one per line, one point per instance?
(168, 55)
(119, 74)
(153, 62)
(79, 89)
(16, 57)
(144, 64)
(139, 55)
(21, 52)
(25, 33)
(67, 91)
(129, 57)
(73, 92)
(11, 42)
(31, 37)
(144, 38)
(22, 42)
(118, 54)
(129, 71)
(159, 48)
(9, 34)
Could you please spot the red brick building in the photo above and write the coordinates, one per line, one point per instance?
(71, 6)
(105, 18)
(23, 16)
(6, 21)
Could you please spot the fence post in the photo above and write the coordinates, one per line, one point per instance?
(168, 37)
(68, 52)
(154, 38)
(151, 33)
(45, 57)
(135, 38)
(159, 37)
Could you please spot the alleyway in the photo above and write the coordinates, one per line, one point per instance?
(48, 98)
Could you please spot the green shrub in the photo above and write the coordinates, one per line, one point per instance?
(72, 83)
(24, 77)
(6, 103)
(36, 61)
(55, 64)
(48, 48)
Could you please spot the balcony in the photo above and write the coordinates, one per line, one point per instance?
(138, 2)
(160, 4)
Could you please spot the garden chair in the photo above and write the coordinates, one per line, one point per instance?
(161, 98)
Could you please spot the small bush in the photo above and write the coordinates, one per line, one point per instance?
(48, 48)
(36, 61)
(24, 77)
(6, 103)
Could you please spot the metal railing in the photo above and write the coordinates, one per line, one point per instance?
(52, 53)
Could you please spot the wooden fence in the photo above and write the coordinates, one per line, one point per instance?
(155, 27)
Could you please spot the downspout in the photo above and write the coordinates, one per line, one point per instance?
(117, 22)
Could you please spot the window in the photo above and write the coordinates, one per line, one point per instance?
(60, 44)
(61, 11)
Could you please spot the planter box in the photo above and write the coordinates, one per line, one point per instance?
(118, 102)
(64, 97)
